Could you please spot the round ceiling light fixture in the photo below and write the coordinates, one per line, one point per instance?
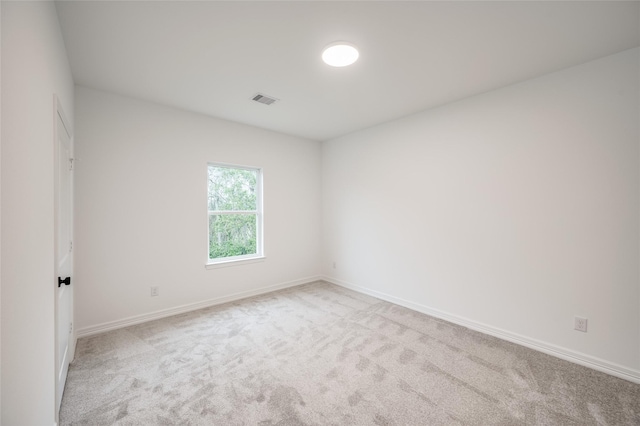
(340, 54)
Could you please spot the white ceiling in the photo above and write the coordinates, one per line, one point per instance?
(212, 57)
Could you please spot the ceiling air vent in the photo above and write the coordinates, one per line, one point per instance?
(264, 99)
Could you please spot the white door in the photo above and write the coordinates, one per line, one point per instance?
(63, 280)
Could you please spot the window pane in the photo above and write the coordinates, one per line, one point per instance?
(232, 235)
(232, 189)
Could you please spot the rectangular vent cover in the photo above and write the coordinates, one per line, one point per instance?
(264, 99)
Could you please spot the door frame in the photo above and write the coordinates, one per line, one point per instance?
(58, 111)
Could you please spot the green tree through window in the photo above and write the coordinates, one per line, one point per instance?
(234, 212)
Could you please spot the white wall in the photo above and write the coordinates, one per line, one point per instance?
(141, 219)
(34, 68)
(0, 217)
(516, 209)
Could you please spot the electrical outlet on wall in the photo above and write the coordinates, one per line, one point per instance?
(580, 324)
(334, 264)
(155, 291)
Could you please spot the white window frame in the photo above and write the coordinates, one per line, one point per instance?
(259, 212)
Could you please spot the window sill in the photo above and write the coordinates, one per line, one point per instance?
(236, 262)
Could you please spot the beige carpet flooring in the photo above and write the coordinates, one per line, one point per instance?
(319, 354)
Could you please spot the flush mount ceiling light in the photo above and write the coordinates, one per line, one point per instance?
(340, 54)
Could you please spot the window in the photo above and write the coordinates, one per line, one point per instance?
(235, 213)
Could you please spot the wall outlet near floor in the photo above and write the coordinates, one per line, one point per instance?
(580, 324)
(155, 291)
(334, 264)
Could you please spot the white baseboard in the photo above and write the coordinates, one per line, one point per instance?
(548, 348)
(138, 319)
(72, 346)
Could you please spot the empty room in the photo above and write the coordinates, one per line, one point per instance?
(320, 213)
